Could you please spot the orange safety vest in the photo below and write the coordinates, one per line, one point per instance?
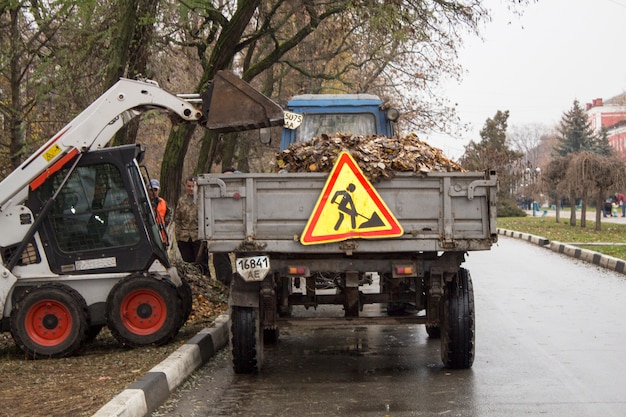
(161, 210)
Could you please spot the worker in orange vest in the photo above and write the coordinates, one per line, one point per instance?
(162, 212)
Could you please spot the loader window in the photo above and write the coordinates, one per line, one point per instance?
(145, 207)
(92, 211)
(316, 124)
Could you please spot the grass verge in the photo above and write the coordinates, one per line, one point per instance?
(612, 236)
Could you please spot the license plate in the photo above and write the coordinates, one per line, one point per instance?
(254, 268)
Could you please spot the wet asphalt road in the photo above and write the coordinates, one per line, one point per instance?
(550, 341)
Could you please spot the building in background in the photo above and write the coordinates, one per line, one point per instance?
(610, 115)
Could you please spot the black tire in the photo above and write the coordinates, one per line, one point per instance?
(49, 321)
(457, 325)
(186, 298)
(223, 267)
(144, 311)
(270, 336)
(92, 332)
(246, 340)
(433, 330)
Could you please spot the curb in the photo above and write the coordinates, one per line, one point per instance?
(586, 255)
(146, 394)
(537, 240)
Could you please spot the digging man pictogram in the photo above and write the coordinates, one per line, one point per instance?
(346, 206)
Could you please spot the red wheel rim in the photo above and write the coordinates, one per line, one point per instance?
(48, 323)
(143, 311)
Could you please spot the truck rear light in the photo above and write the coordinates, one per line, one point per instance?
(404, 270)
(298, 271)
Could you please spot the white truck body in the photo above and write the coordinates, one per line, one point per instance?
(439, 211)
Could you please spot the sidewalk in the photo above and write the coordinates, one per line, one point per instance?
(591, 215)
(569, 249)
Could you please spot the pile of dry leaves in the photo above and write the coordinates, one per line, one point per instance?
(378, 156)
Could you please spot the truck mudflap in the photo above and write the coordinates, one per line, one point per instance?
(244, 294)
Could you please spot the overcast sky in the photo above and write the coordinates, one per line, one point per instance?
(536, 65)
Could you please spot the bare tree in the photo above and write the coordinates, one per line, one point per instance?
(320, 46)
(528, 139)
(77, 49)
(592, 175)
(130, 50)
(553, 179)
(26, 29)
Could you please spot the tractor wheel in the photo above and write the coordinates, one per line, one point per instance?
(93, 332)
(49, 321)
(433, 330)
(270, 336)
(246, 340)
(144, 311)
(457, 323)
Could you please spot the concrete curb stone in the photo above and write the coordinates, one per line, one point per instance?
(596, 258)
(146, 394)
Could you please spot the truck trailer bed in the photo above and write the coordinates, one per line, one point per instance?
(438, 211)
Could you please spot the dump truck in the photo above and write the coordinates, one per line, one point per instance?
(389, 252)
(80, 247)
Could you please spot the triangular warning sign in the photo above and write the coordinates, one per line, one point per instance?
(349, 207)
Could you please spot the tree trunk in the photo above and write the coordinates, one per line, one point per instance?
(599, 209)
(243, 151)
(230, 147)
(15, 122)
(221, 57)
(572, 202)
(208, 151)
(583, 209)
(129, 52)
(173, 161)
(558, 209)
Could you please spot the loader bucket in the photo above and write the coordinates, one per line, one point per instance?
(231, 104)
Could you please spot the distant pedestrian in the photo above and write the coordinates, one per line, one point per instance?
(607, 208)
(621, 201)
(186, 218)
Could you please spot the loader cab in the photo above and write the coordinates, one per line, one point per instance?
(101, 219)
(360, 114)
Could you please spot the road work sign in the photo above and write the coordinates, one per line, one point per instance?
(349, 207)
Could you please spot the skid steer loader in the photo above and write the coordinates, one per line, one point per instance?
(80, 246)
